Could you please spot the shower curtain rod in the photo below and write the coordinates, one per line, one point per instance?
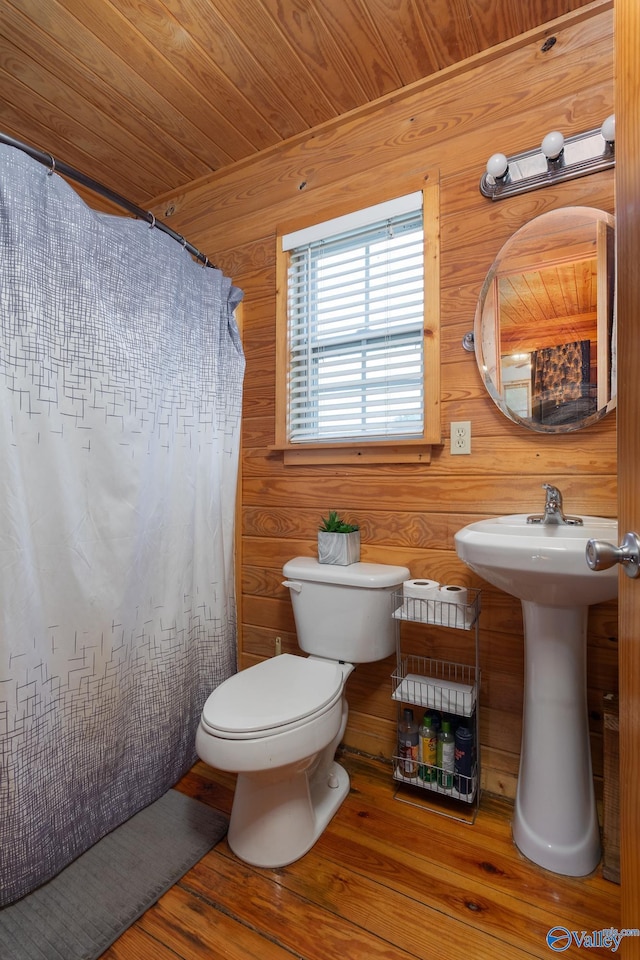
(48, 160)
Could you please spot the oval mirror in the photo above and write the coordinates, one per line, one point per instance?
(545, 330)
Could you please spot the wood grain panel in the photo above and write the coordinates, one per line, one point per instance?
(137, 95)
(359, 28)
(202, 84)
(196, 72)
(238, 63)
(409, 513)
(108, 22)
(489, 452)
(260, 33)
(422, 130)
(387, 879)
(307, 35)
(595, 494)
(44, 117)
(115, 116)
(627, 23)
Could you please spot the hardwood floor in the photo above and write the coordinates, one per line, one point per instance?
(386, 881)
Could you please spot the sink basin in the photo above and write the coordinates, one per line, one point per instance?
(544, 563)
(555, 821)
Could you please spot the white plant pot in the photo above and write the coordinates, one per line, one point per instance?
(339, 548)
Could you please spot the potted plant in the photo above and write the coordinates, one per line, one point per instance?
(338, 540)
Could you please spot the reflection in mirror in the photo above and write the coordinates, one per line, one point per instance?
(545, 322)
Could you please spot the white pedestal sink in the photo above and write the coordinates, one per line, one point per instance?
(544, 565)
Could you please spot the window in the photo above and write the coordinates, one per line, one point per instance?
(353, 368)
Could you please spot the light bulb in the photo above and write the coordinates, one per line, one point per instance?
(497, 165)
(552, 145)
(608, 129)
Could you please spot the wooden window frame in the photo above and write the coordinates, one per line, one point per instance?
(397, 450)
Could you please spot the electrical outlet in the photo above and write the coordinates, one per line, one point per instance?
(461, 437)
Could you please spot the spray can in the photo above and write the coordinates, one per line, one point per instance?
(408, 745)
(463, 760)
(428, 750)
(446, 756)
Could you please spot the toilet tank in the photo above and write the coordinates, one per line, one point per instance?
(344, 612)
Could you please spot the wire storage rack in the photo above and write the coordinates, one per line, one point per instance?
(445, 689)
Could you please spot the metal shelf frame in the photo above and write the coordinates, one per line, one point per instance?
(449, 687)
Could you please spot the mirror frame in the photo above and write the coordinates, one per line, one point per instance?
(512, 260)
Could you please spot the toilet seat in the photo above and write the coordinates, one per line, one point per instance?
(272, 697)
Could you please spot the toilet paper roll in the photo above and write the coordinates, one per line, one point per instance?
(452, 593)
(421, 589)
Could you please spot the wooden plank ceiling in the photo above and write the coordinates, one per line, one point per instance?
(149, 95)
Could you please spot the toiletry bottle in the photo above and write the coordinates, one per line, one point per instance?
(446, 756)
(408, 745)
(463, 760)
(428, 750)
(436, 721)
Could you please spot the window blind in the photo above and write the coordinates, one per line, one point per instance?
(356, 320)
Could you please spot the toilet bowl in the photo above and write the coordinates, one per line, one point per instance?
(278, 723)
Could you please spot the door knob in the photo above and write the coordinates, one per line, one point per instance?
(602, 555)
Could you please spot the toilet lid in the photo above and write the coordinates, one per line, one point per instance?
(272, 694)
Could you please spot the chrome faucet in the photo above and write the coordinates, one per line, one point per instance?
(553, 512)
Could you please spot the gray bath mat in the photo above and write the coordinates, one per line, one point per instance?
(79, 913)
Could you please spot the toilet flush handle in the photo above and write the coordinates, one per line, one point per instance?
(294, 585)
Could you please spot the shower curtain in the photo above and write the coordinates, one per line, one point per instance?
(120, 392)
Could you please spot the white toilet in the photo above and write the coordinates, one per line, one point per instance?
(278, 723)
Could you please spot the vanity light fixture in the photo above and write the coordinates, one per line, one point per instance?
(557, 159)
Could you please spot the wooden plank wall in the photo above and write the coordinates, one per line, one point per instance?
(505, 99)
